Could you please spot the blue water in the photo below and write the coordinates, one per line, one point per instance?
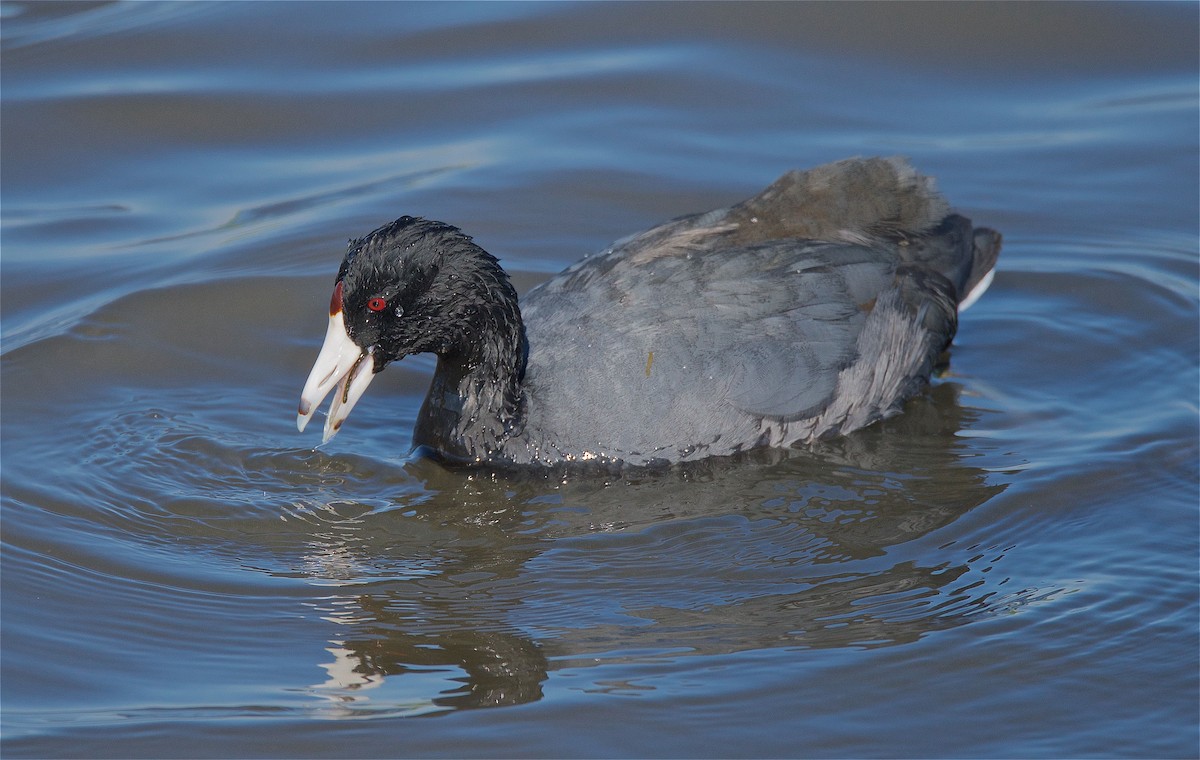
(1007, 569)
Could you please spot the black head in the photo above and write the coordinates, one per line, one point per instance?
(416, 286)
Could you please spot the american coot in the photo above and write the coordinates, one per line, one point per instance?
(810, 310)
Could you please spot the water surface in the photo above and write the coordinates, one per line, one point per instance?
(1007, 569)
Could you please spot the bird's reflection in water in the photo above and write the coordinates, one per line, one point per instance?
(452, 671)
(492, 581)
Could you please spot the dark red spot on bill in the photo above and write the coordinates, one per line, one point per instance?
(335, 303)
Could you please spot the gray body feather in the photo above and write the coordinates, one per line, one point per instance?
(812, 309)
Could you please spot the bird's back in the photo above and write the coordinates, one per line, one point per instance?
(815, 307)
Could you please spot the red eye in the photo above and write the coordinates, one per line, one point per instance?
(377, 304)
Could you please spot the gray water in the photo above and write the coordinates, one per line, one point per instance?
(1007, 569)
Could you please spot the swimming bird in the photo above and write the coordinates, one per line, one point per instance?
(811, 310)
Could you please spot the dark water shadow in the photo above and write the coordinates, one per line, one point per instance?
(802, 549)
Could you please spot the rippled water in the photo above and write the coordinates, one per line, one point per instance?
(1007, 569)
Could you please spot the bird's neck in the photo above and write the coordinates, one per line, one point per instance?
(475, 399)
